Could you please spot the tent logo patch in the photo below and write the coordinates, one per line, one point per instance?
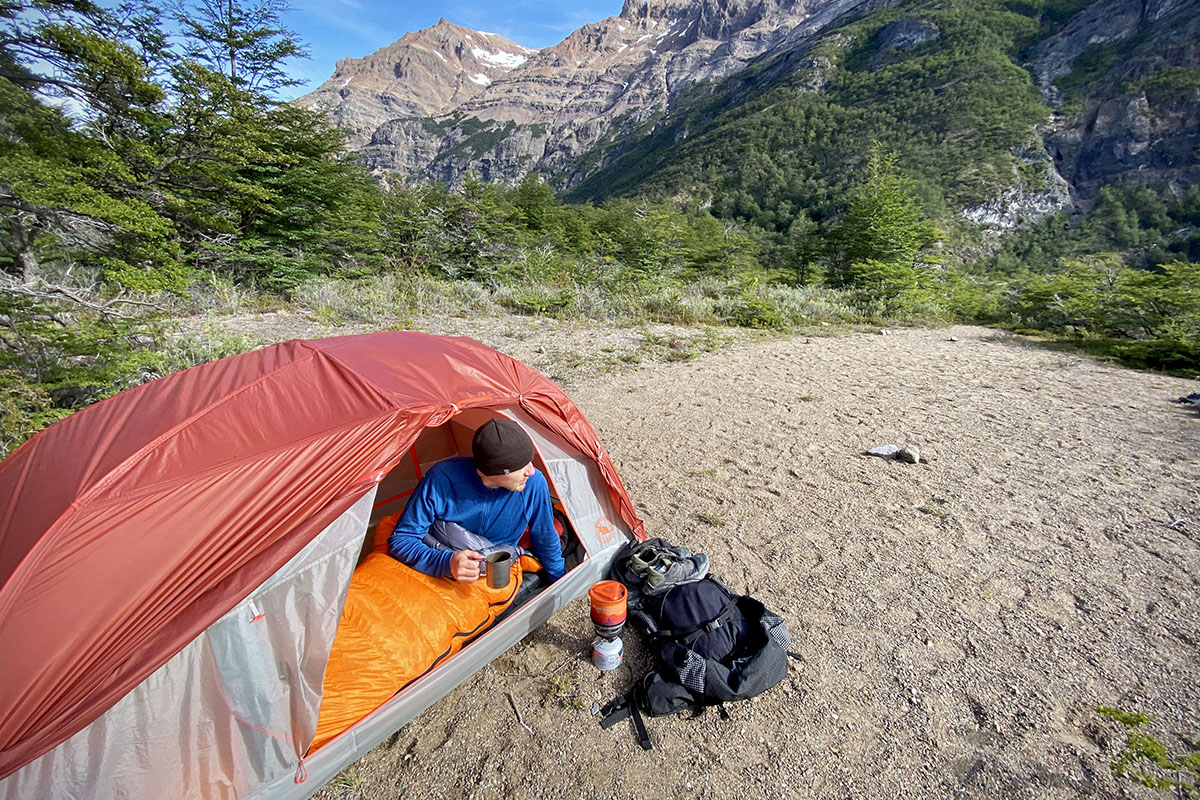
(605, 530)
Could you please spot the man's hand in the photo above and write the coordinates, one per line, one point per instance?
(464, 565)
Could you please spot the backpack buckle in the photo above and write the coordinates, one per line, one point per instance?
(615, 711)
(624, 707)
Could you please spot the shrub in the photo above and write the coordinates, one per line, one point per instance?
(1149, 762)
(537, 301)
(750, 311)
(25, 408)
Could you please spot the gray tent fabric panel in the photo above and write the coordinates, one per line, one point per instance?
(232, 710)
(575, 479)
(324, 765)
(580, 486)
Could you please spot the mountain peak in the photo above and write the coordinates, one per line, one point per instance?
(633, 9)
(423, 73)
(547, 106)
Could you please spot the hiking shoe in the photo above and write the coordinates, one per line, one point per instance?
(658, 569)
(641, 561)
(659, 566)
(683, 570)
(673, 568)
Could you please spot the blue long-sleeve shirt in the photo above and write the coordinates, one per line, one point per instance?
(452, 491)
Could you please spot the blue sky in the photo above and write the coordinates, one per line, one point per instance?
(334, 29)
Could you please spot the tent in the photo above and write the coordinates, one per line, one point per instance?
(173, 560)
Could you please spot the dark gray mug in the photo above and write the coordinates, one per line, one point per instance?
(497, 567)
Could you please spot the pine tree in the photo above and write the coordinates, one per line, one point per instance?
(263, 190)
(884, 221)
(803, 250)
(245, 43)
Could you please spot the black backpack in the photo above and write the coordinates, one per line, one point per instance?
(711, 645)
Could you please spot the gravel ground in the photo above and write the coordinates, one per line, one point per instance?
(958, 621)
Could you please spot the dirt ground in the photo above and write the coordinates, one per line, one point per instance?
(958, 621)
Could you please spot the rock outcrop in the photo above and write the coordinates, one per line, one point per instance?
(1120, 75)
(1138, 119)
(1129, 112)
(1021, 203)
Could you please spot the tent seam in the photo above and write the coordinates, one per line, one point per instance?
(191, 476)
(393, 395)
(26, 567)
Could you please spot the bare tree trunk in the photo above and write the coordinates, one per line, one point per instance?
(232, 49)
(22, 231)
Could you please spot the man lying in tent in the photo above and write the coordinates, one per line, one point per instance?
(398, 624)
(468, 504)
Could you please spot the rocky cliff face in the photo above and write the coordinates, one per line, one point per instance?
(423, 74)
(546, 112)
(1123, 79)
(1121, 76)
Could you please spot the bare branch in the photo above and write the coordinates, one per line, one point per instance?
(40, 290)
(18, 343)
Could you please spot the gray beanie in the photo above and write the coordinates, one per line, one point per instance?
(501, 446)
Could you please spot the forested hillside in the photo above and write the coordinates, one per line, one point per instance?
(146, 177)
(934, 82)
(1093, 209)
(942, 85)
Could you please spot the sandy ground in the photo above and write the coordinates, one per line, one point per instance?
(958, 620)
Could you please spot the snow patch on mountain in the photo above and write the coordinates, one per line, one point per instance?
(499, 58)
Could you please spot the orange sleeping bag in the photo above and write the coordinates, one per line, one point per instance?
(397, 625)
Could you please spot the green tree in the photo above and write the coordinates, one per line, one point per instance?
(81, 113)
(648, 239)
(534, 201)
(1147, 302)
(244, 42)
(803, 250)
(25, 408)
(474, 229)
(124, 162)
(1076, 297)
(412, 226)
(884, 225)
(1149, 317)
(260, 190)
(75, 191)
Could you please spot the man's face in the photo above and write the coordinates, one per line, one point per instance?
(513, 481)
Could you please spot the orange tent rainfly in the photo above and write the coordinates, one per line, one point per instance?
(174, 560)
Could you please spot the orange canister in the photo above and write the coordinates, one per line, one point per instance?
(608, 599)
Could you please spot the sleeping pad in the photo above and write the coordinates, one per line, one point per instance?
(397, 625)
